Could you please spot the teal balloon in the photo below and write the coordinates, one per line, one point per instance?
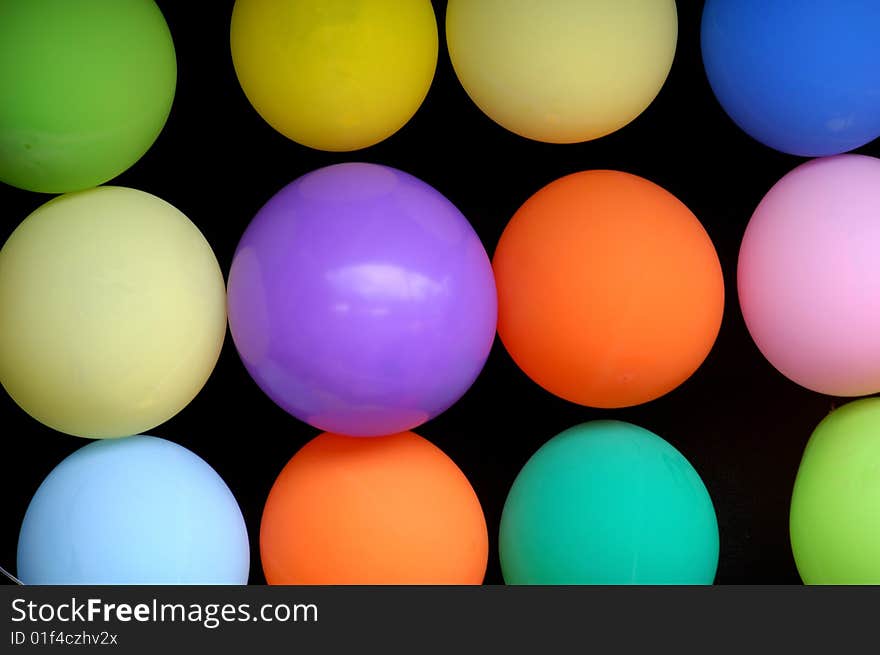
(608, 502)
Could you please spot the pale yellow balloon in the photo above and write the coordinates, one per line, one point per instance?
(562, 71)
(112, 312)
(335, 75)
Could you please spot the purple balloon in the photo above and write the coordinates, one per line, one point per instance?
(361, 300)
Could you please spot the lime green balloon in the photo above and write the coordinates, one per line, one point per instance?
(86, 88)
(608, 502)
(835, 505)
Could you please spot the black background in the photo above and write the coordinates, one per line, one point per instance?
(740, 423)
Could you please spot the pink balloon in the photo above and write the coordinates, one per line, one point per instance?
(809, 275)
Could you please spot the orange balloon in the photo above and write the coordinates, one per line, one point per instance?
(610, 292)
(373, 510)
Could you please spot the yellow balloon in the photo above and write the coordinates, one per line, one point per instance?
(335, 74)
(112, 312)
(562, 71)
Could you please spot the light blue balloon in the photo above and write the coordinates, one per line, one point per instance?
(799, 76)
(137, 510)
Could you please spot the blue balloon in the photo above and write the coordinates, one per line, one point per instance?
(136, 510)
(799, 76)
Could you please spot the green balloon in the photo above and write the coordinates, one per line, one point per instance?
(608, 502)
(86, 88)
(835, 506)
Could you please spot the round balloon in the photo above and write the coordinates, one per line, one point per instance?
(610, 291)
(335, 75)
(800, 77)
(809, 275)
(608, 502)
(133, 511)
(361, 300)
(390, 510)
(835, 523)
(561, 71)
(112, 312)
(87, 87)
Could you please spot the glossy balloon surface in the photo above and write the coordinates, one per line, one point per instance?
(361, 300)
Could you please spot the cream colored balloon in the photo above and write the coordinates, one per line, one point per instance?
(112, 312)
(562, 71)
